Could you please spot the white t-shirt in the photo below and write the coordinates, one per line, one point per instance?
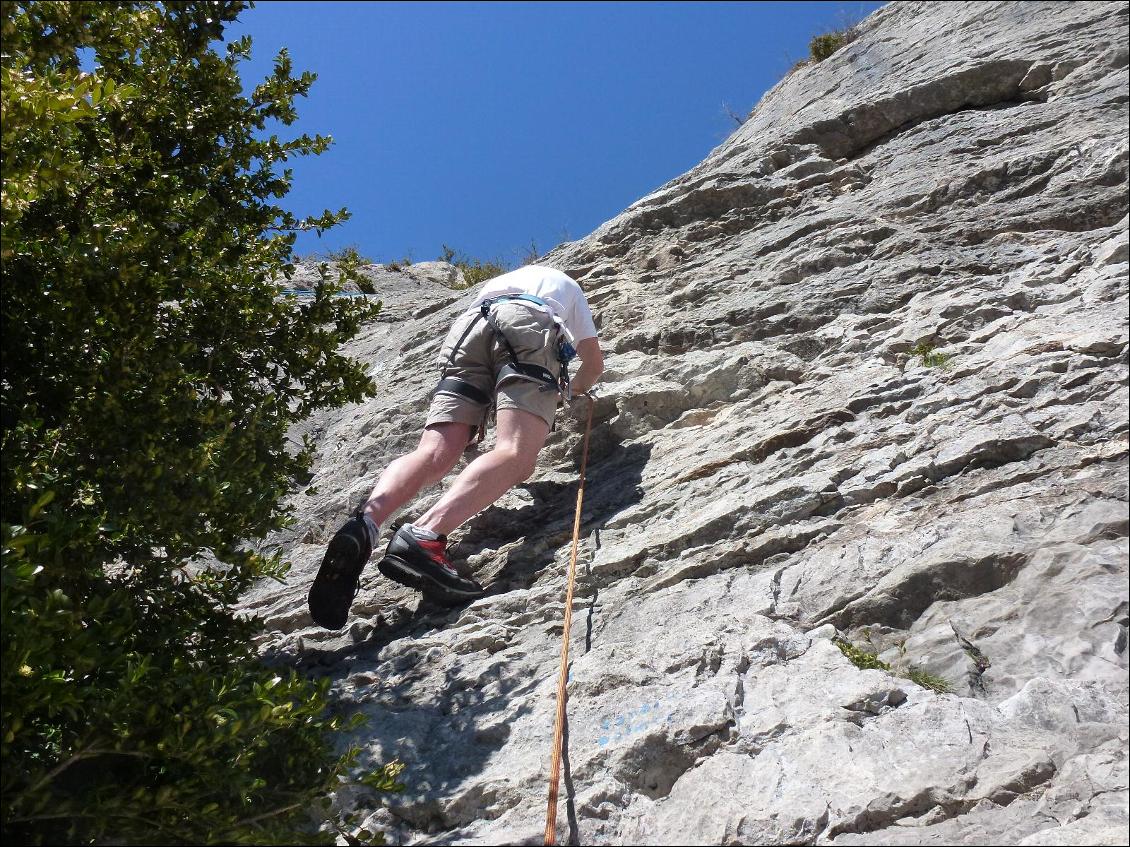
(566, 300)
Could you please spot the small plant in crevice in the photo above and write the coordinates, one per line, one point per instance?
(826, 43)
(920, 676)
(474, 270)
(862, 659)
(867, 660)
(933, 681)
(529, 254)
(477, 270)
(979, 662)
(349, 254)
(797, 65)
(737, 118)
(929, 356)
(823, 46)
(400, 264)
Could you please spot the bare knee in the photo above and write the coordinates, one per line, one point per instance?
(437, 459)
(441, 446)
(435, 454)
(521, 464)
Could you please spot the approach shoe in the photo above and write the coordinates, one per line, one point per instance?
(423, 565)
(339, 577)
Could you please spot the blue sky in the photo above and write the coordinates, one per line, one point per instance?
(486, 126)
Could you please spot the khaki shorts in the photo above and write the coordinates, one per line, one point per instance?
(481, 356)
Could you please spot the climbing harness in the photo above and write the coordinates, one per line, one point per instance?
(563, 675)
(516, 369)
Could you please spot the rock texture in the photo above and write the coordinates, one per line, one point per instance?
(867, 376)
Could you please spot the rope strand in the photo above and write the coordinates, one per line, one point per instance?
(563, 675)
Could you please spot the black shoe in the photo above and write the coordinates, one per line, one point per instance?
(337, 581)
(424, 566)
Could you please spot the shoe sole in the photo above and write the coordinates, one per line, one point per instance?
(400, 571)
(322, 600)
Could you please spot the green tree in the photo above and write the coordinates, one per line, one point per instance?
(150, 375)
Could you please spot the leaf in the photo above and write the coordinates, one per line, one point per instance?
(40, 504)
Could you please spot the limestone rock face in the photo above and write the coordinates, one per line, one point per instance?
(866, 380)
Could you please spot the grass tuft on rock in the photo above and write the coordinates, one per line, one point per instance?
(929, 356)
(474, 270)
(823, 46)
(859, 657)
(865, 660)
(935, 683)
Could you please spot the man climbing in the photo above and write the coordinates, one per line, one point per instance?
(510, 352)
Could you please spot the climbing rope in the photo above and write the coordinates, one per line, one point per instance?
(563, 676)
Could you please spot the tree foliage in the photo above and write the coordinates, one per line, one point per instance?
(150, 375)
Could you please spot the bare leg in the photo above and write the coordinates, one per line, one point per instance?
(520, 435)
(440, 447)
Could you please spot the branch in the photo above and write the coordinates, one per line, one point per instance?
(89, 753)
(270, 814)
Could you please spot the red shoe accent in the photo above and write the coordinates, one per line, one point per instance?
(437, 552)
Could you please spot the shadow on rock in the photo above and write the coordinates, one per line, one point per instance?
(447, 740)
(529, 537)
(365, 638)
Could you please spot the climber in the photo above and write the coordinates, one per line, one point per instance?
(508, 353)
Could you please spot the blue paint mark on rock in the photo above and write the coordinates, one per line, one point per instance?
(637, 719)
